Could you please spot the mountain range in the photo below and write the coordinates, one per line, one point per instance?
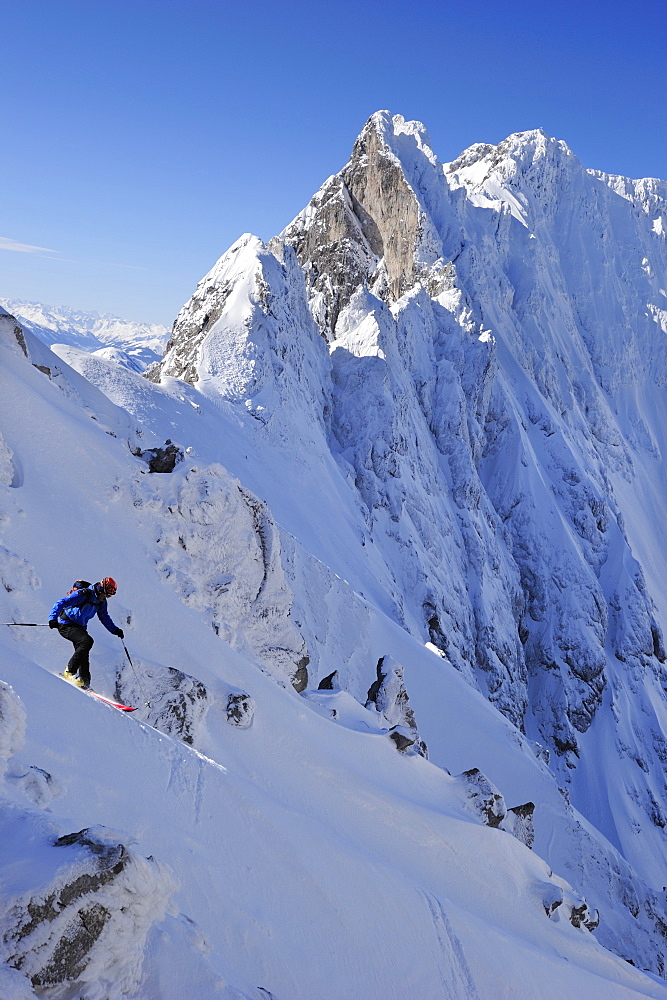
(134, 345)
(386, 519)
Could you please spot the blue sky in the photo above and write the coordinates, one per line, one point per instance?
(140, 139)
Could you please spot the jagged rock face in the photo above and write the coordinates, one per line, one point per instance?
(178, 703)
(331, 245)
(190, 328)
(471, 343)
(386, 207)
(361, 227)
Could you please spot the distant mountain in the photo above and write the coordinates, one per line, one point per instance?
(135, 345)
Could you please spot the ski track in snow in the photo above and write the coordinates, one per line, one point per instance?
(455, 975)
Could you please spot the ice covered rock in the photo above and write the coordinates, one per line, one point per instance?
(388, 696)
(12, 333)
(177, 704)
(77, 908)
(483, 797)
(240, 709)
(518, 821)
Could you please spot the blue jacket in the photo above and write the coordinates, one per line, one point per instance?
(80, 606)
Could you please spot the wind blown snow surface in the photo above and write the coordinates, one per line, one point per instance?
(395, 615)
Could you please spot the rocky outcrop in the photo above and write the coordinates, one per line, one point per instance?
(198, 317)
(177, 702)
(85, 911)
(388, 696)
(559, 900)
(483, 797)
(240, 709)
(518, 821)
(163, 459)
(11, 329)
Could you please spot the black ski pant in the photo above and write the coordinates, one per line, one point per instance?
(79, 663)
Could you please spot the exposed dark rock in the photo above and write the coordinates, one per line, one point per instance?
(69, 958)
(329, 683)
(163, 459)
(10, 325)
(658, 643)
(579, 914)
(44, 369)
(300, 677)
(566, 744)
(403, 738)
(519, 822)
(552, 898)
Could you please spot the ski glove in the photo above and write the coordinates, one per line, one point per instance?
(53, 623)
(120, 633)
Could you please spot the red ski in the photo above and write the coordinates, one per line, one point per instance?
(100, 697)
(108, 701)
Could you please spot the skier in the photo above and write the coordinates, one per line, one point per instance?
(71, 614)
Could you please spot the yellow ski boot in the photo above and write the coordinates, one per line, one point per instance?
(72, 678)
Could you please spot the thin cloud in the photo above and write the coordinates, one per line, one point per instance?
(16, 247)
(8, 244)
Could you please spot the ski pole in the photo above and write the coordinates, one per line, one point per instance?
(147, 704)
(27, 624)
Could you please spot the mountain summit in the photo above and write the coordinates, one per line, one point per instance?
(398, 607)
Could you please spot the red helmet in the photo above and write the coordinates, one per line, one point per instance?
(108, 586)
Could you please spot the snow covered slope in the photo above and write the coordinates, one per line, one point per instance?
(135, 345)
(396, 610)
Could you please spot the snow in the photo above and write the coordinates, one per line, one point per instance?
(438, 452)
(135, 345)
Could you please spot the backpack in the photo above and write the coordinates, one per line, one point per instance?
(78, 585)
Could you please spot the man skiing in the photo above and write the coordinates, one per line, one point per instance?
(71, 614)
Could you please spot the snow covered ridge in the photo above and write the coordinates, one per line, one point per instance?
(395, 613)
